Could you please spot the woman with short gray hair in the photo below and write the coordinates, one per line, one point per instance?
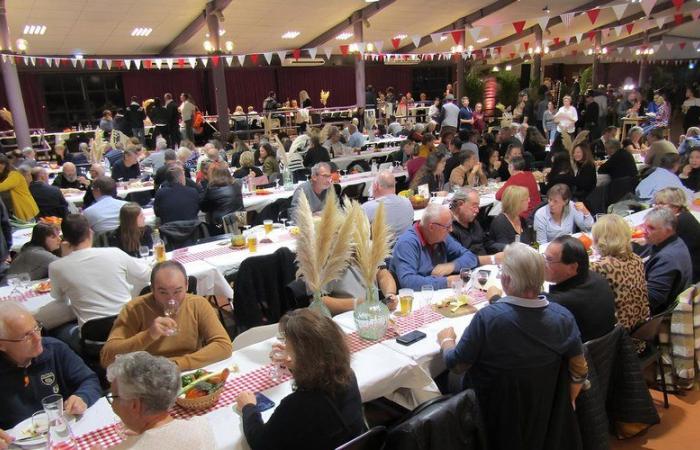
(143, 389)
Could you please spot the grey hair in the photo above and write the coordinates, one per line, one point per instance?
(83, 147)
(154, 380)
(524, 267)
(385, 179)
(317, 168)
(635, 129)
(170, 155)
(25, 169)
(8, 310)
(693, 131)
(161, 144)
(183, 152)
(662, 217)
(27, 150)
(432, 213)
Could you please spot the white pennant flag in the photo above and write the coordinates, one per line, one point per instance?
(647, 6)
(620, 50)
(521, 55)
(74, 61)
(312, 52)
(241, 59)
(268, 57)
(619, 10)
(328, 51)
(579, 36)
(542, 22)
(127, 64)
(475, 32)
(229, 60)
(656, 48)
(32, 59)
(435, 37)
(158, 62)
(281, 55)
(516, 46)
(108, 63)
(169, 62)
(137, 64)
(48, 61)
(660, 21)
(99, 63)
(204, 60)
(26, 60)
(57, 62)
(618, 30)
(379, 46)
(496, 29)
(193, 62)
(669, 45)
(696, 44)
(416, 40)
(566, 19)
(82, 63)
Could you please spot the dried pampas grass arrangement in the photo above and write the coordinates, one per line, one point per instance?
(370, 249)
(323, 248)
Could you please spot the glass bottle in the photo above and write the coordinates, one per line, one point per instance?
(158, 247)
(371, 316)
(318, 306)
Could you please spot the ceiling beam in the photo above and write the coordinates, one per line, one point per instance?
(361, 14)
(194, 27)
(460, 23)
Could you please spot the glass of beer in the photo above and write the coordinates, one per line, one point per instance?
(268, 226)
(405, 301)
(252, 241)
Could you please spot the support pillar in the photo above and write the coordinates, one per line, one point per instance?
(459, 88)
(644, 64)
(360, 84)
(537, 69)
(217, 70)
(595, 69)
(12, 86)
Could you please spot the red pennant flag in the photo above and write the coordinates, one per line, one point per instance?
(344, 49)
(498, 49)
(457, 36)
(215, 60)
(526, 45)
(519, 25)
(591, 35)
(254, 57)
(512, 55)
(181, 62)
(456, 56)
(118, 63)
(147, 63)
(296, 53)
(556, 40)
(681, 45)
(678, 18)
(395, 42)
(89, 63)
(593, 15)
(573, 52)
(630, 27)
(678, 4)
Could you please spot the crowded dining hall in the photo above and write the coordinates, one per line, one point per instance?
(364, 228)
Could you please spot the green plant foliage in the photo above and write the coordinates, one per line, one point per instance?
(586, 78)
(474, 86)
(508, 88)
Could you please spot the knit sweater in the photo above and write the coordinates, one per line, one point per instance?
(23, 204)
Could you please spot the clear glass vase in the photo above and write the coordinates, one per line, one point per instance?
(371, 316)
(318, 306)
(287, 180)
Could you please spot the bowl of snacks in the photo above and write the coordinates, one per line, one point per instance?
(418, 201)
(44, 287)
(201, 389)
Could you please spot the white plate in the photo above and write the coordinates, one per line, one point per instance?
(19, 432)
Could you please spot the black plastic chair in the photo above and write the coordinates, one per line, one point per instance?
(191, 287)
(94, 334)
(373, 439)
(353, 192)
(649, 333)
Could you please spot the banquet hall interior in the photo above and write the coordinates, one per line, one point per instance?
(357, 224)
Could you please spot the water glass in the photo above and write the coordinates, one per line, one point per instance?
(170, 310)
(427, 291)
(144, 251)
(53, 406)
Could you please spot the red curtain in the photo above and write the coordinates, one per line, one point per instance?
(33, 96)
(381, 77)
(340, 81)
(249, 87)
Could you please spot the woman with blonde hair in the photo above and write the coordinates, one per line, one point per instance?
(508, 226)
(247, 161)
(623, 269)
(688, 228)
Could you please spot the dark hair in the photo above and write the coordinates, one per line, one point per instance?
(8, 167)
(561, 164)
(219, 175)
(105, 185)
(610, 129)
(169, 264)
(172, 175)
(270, 152)
(428, 138)
(129, 232)
(657, 133)
(321, 352)
(170, 155)
(457, 142)
(428, 169)
(669, 160)
(465, 155)
(40, 233)
(518, 163)
(573, 251)
(75, 229)
(587, 155)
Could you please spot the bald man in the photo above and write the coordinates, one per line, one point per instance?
(68, 178)
(398, 210)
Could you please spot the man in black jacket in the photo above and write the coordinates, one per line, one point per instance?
(128, 168)
(467, 230)
(620, 162)
(174, 200)
(586, 294)
(173, 121)
(48, 198)
(135, 115)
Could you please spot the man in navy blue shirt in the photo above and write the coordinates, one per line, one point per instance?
(466, 119)
(32, 367)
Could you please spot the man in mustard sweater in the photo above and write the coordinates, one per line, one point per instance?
(192, 336)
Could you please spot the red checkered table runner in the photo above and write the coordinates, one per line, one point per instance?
(23, 297)
(186, 257)
(108, 436)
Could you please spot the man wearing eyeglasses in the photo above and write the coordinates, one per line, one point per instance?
(315, 189)
(426, 254)
(32, 367)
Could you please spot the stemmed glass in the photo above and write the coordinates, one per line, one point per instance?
(170, 311)
(482, 278)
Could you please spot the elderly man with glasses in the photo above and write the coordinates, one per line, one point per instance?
(426, 254)
(32, 367)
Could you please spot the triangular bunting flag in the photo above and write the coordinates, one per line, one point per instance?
(108, 63)
(254, 58)
(268, 57)
(99, 63)
(344, 48)
(137, 63)
(379, 46)
(192, 61)
(82, 63)
(519, 26)
(26, 60)
(593, 15)
(647, 6)
(395, 42)
(678, 4)
(620, 50)
(328, 51)
(695, 14)
(296, 53)
(204, 60)
(579, 36)
(312, 52)
(229, 60)
(32, 60)
(127, 64)
(416, 40)
(215, 60)
(567, 18)
(282, 54)
(158, 63)
(496, 29)
(516, 46)
(656, 48)
(556, 41)
(435, 37)
(475, 32)
(526, 45)
(74, 61)
(48, 61)
(57, 62)
(618, 30)
(681, 45)
(542, 22)
(521, 55)
(147, 63)
(629, 27)
(591, 35)
(241, 59)
(169, 62)
(619, 10)
(678, 18)
(668, 45)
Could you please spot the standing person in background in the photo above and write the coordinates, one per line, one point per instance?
(479, 122)
(172, 120)
(107, 123)
(187, 110)
(548, 123)
(449, 116)
(23, 205)
(566, 117)
(466, 119)
(135, 115)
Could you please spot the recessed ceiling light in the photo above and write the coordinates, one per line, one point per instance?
(290, 35)
(482, 39)
(141, 32)
(401, 36)
(344, 36)
(35, 29)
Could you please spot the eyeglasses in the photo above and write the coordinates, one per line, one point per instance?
(110, 398)
(446, 227)
(548, 260)
(28, 336)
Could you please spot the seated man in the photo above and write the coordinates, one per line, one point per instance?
(96, 171)
(128, 167)
(114, 154)
(175, 201)
(667, 265)
(398, 210)
(468, 171)
(585, 293)
(662, 177)
(49, 199)
(426, 254)
(156, 158)
(620, 162)
(658, 146)
(467, 230)
(68, 178)
(315, 189)
(356, 139)
(192, 338)
(32, 367)
(103, 215)
(96, 281)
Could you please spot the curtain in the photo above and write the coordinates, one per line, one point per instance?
(154, 83)
(340, 81)
(249, 87)
(33, 97)
(381, 77)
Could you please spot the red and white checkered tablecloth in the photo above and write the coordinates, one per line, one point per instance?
(185, 257)
(106, 436)
(23, 297)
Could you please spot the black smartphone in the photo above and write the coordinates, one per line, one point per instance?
(263, 403)
(410, 338)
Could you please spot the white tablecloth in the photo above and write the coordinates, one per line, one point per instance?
(44, 308)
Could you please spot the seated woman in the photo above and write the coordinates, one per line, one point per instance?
(622, 268)
(635, 135)
(431, 173)
(561, 173)
(38, 253)
(585, 178)
(223, 196)
(23, 205)
(270, 166)
(132, 232)
(247, 161)
(325, 409)
(143, 389)
(521, 177)
(509, 226)
(690, 175)
(663, 113)
(560, 215)
(492, 165)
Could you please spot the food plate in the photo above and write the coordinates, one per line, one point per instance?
(43, 287)
(30, 433)
(262, 192)
(453, 307)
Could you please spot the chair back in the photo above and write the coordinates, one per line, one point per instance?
(182, 233)
(254, 335)
(229, 223)
(93, 335)
(101, 239)
(373, 439)
(619, 188)
(648, 331)
(273, 211)
(353, 192)
(191, 286)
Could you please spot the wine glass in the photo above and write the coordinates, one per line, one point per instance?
(170, 310)
(482, 277)
(13, 281)
(144, 251)
(465, 275)
(24, 280)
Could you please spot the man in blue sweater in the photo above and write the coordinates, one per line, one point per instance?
(426, 254)
(32, 367)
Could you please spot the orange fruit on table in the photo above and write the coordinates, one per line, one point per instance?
(586, 241)
(696, 201)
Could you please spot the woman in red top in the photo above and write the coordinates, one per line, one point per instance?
(520, 177)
